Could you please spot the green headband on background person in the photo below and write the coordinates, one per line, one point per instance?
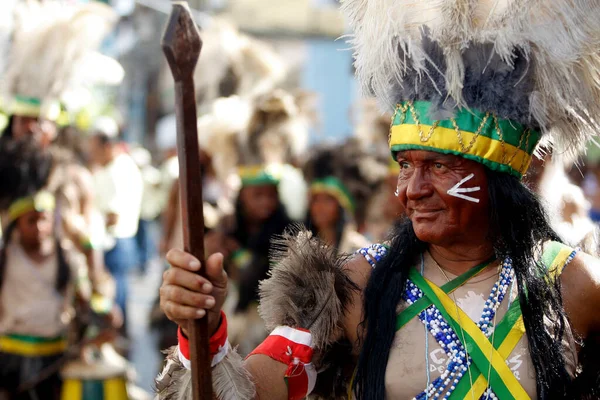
(40, 202)
(256, 176)
(332, 186)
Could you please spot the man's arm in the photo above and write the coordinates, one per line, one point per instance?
(181, 296)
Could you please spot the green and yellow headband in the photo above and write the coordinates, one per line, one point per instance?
(33, 107)
(40, 202)
(501, 145)
(256, 176)
(334, 187)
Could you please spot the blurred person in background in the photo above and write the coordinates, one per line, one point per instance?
(372, 130)
(119, 189)
(39, 71)
(383, 209)
(43, 278)
(245, 239)
(566, 204)
(151, 207)
(336, 184)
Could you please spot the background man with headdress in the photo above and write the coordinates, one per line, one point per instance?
(473, 87)
(341, 180)
(53, 48)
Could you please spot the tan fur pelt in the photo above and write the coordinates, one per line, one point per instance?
(307, 288)
(271, 129)
(278, 129)
(558, 39)
(231, 381)
(232, 64)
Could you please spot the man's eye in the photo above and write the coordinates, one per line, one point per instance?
(404, 165)
(438, 166)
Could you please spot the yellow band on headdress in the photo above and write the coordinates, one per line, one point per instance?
(42, 201)
(501, 145)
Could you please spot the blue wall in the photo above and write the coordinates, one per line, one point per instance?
(328, 71)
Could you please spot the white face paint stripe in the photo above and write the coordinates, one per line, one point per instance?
(457, 190)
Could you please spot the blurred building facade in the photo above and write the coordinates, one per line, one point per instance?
(305, 30)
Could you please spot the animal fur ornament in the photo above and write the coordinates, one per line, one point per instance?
(534, 62)
(317, 292)
(320, 291)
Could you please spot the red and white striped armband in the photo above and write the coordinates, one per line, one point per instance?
(292, 347)
(218, 345)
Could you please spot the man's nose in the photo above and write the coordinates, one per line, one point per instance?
(418, 186)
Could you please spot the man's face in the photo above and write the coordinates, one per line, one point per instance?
(35, 228)
(96, 151)
(43, 131)
(259, 202)
(438, 217)
(324, 211)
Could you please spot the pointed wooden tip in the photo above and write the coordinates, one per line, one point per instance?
(181, 41)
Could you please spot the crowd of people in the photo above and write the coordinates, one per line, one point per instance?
(82, 211)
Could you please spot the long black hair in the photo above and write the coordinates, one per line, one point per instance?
(8, 129)
(259, 244)
(519, 228)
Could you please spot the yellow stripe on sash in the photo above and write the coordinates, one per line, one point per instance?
(71, 390)
(23, 348)
(115, 389)
(505, 349)
(492, 355)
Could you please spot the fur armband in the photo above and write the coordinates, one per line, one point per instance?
(292, 347)
(309, 289)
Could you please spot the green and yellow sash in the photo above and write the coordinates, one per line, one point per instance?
(108, 389)
(32, 346)
(486, 355)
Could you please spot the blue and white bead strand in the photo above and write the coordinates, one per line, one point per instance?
(448, 340)
(373, 254)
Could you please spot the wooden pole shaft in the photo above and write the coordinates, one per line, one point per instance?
(182, 44)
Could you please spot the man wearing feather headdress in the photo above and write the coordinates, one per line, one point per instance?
(474, 297)
(53, 53)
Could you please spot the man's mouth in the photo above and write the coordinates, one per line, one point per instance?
(423, 212)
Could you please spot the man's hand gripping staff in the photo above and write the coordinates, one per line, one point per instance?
(302, 304)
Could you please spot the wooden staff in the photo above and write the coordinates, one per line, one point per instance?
(181, 44)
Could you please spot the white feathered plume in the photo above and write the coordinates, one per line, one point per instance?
(533, 61)
(52, 48)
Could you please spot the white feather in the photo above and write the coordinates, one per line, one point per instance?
(560, 37)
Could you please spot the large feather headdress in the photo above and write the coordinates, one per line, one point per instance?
(53, 51)
(493, 74)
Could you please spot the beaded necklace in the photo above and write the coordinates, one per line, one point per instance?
(448, 340)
